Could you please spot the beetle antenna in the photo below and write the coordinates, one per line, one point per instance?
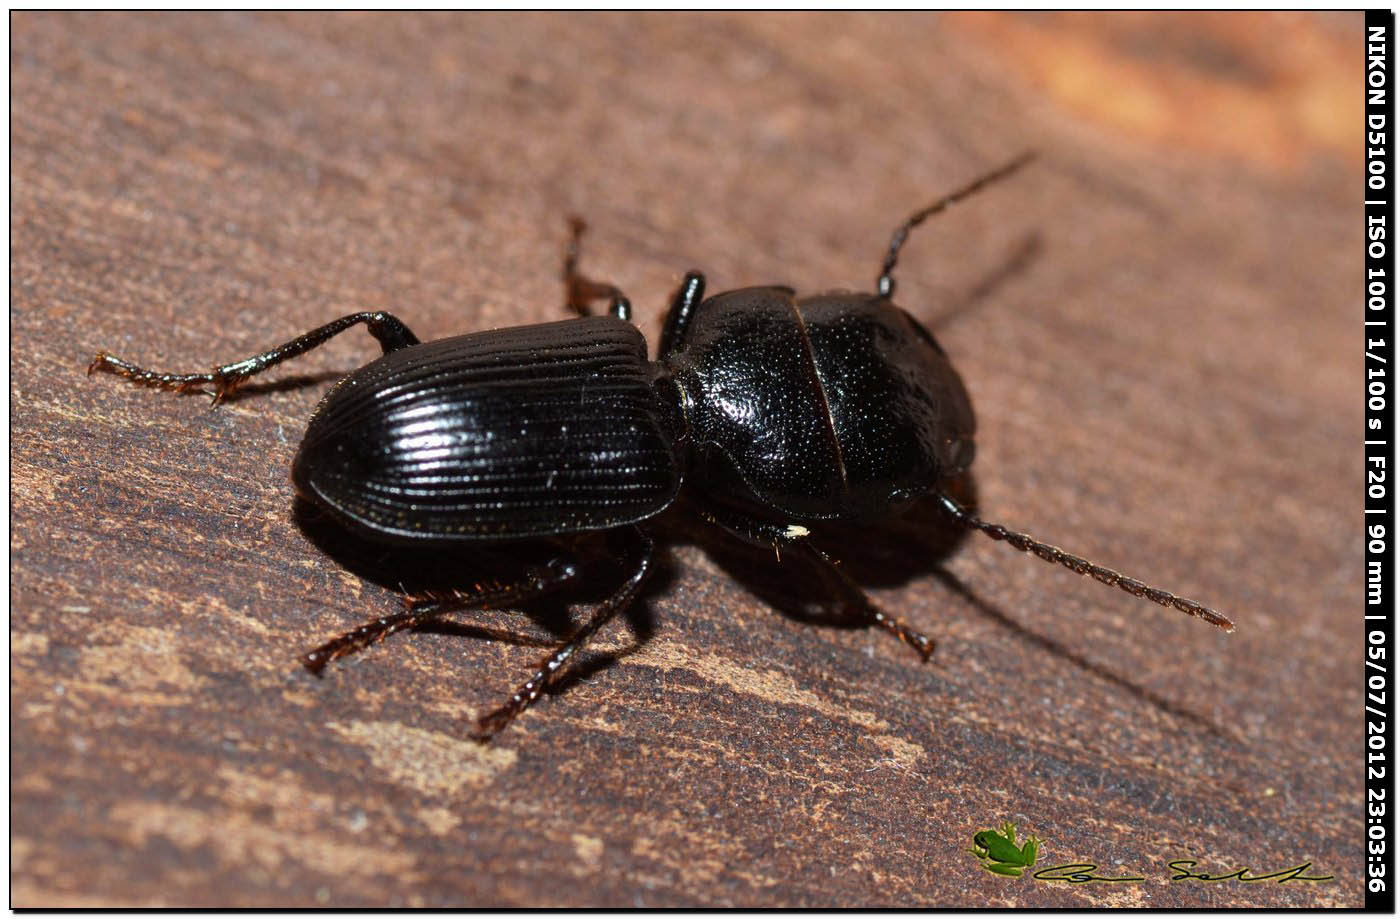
(885, 286)
(1078, 565)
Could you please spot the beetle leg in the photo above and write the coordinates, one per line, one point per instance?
(794, 537)
(683, 304)
(390, 332)
(583, 291)
(426, 607)
(892, 624)
(491, 723)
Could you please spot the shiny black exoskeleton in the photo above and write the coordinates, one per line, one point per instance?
(780, 416)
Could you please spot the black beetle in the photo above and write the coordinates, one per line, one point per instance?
(779, 415)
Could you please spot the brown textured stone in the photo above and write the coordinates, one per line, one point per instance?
(1158, 329)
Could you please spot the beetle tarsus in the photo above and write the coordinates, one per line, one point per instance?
(175, 382)
(224, 380)
(361, 637)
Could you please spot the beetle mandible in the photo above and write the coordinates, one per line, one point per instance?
(779, 415)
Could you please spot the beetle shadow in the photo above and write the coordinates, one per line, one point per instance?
(548, 619)
(892, 554)
(249, 390)
(886, 554)
(1064, 652)
(1019, 260)
(283, 384)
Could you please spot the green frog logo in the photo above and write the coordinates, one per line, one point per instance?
(999, 853)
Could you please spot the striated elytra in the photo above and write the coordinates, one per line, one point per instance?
(532, 431)
(781, 417)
